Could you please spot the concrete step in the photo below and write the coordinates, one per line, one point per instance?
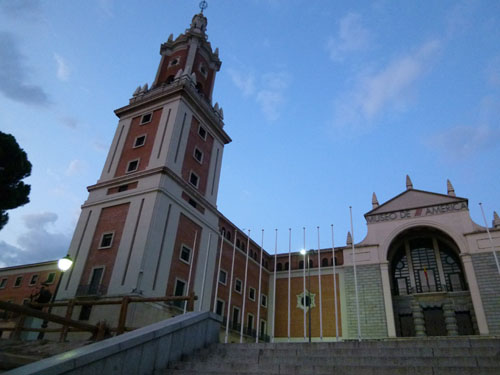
(427, 356)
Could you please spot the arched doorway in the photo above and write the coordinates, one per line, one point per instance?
(429, 290)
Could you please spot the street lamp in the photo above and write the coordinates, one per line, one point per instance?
(63, 264)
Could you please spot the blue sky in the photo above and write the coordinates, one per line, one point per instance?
(326, 102)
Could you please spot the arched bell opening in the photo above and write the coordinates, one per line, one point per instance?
(429, 290)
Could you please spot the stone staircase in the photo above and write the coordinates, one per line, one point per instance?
(428, 356)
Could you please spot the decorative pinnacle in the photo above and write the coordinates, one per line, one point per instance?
(451, 190)
(374, 201)
(409, 184)
(349, 239)
(203, 6)
(496, 220)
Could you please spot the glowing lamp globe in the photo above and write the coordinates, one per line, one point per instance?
(65, 263)
(303, 252)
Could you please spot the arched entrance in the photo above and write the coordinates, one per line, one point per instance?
(429, 291)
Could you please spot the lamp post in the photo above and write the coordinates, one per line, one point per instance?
(63, 264)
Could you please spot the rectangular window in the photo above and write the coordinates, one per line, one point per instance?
(50, 278)
(220, 307)
(427, 280)
(236, 317)
(198, 155)
(18, 281)
(194, 179)
(202, 132)
(192, 202)
(455, 282)
(122, 188)
(132, 165)
(263, 300)
(94, 287)
(250, 324)
(85, 312)
(402, 286)
(140, 141)
(179, 291)
(238, 286)
(146, 118)
(33, 279)
(263, 328)
(185, 254)
(106, 240)
(222, 277)
(251, 294)
(3, 283)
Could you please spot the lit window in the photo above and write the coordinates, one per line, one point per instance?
(198, 155)
(251, 294)
(33, 279)
(18, 281)
(146, 118)
(263, 300)
(194, 179)
(238, 286)
(185, 254)
(106, 241)
(222, 277)
(3, 283)
(140, 141)
(132, 165)
(202, 132)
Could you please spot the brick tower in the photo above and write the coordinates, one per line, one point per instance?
(150, 214)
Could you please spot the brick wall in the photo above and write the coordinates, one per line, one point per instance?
(371, 302)
(489, 287)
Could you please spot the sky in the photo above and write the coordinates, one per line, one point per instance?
(326, 103)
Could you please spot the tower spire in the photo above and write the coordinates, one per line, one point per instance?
(374, 201)
(409, 184)
(203, 6)
(450, 188)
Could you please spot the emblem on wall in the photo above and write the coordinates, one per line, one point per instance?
(309, 300)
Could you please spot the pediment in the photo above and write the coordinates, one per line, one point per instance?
(413, 198)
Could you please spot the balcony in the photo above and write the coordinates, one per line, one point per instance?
(90, 290)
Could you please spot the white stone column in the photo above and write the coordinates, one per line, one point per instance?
(475, 294)
(389, 313)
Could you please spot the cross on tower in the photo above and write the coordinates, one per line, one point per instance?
(203, 6)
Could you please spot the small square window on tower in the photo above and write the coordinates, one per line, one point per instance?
(202, 132)
(106, 240)
(194, 179)
(50, 278)
(198, 155)
(146, 118)
(263, 300)
(251, 294)
(185, 254)
(175, 61)
(132, 165)
(222, 277)
(3, 283)
(18, 281)
(140, 141)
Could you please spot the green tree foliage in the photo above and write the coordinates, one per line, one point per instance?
(14, 166)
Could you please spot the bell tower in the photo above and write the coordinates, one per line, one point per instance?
(152, 214)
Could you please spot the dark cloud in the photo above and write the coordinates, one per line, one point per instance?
(13, 74)
(37, 244)
(21, 8)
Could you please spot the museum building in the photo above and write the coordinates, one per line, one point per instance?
(151, 227)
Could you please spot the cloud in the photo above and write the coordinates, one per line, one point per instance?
(37, 244)
(75, 167)
(461, 142)
(68, 121)
(352, 37)
(269, 92)
(271, 97)
(63, 71)
(13, 74)
(387, 87)
(21, 8)
(243, 81)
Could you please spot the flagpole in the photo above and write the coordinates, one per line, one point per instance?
(355, 275)
(305, 299)
(320, 296)
(245, 290)
(289, 274)
(335, 290)
(190, 269)
(491, 240)
(205, 273)
(230, 287)
(260, 286)
(274, 285)
(218, 275)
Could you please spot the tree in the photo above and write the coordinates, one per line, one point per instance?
(14, 166)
